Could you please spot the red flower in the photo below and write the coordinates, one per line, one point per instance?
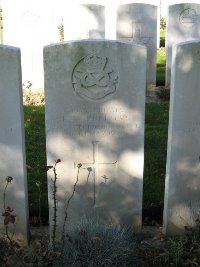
(9, 217)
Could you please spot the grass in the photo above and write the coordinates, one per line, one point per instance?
(155, 157)
(156, 128)
(161, 60)
(34, 118)
(162, 38)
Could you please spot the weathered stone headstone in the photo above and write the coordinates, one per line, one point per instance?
(88, 22)
(183, 24)
(12, 156)
(1, 26)
(95, 99)
(137, 23)
(28, 25)
(182, 188)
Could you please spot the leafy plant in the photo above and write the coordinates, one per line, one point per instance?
(54, 191)
(9, 217)
(61, 31)
(162, 23)
(94, 243)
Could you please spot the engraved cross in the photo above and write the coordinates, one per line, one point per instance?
(95, 164)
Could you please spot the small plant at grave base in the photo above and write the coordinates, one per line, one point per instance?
(9, 217)
(54, 191)
(79, 165)
(92, 242)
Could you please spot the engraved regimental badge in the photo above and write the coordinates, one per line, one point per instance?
(94, 78)
(188, 17)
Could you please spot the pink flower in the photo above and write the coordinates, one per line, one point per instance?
(57, 160)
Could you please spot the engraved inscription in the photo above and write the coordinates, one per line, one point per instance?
(188, 17)
(99, 122)
(31, 18)
(94, 78)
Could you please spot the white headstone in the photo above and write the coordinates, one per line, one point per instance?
(12, 147)
(28, 25)
(137, 23)
(183, 24)
(182, 188)
(95, 99)
(1, 25)
(84, 21)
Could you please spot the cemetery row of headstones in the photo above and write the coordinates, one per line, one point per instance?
(36, 27)
(36, 24)
(95, 103)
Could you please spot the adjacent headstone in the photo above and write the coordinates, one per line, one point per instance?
(182, 188)
(29, 29)
(1, 26)
(12, 156)
(88, 22)
(95, 100)
(137, 23)
(183, 24)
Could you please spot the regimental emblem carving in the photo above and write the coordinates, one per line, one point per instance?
(188, 17)
(94, 78)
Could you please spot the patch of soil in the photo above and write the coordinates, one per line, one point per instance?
(37, 254)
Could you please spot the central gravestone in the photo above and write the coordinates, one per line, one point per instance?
(95, 100)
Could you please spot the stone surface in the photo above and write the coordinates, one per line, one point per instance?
(12, 147)
(137, 23)
(183, 24)
(182, 187)
(29, 29)
(95, 99)
(88, 21)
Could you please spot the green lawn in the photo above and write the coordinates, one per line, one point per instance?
(162, 38)
(155, 156)
(161, 62)
(156, 128)
(36, 159)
